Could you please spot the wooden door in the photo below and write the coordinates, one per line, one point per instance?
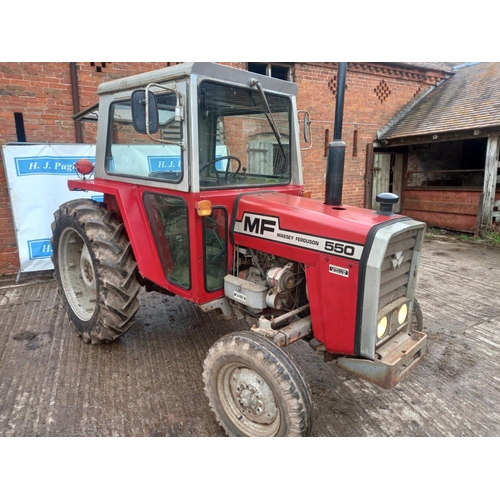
(387, 176)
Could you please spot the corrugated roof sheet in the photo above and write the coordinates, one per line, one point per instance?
(470, 99)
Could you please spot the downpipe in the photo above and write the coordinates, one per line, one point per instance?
(76, 101)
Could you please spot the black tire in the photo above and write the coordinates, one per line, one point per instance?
(255, 389)
(417, 318)
(95, 270)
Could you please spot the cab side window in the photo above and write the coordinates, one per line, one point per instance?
(130, 153)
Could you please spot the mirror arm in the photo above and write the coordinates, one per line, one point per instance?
(179, 112)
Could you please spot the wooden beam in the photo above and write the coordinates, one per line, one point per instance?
(458, 135)
(490, 179)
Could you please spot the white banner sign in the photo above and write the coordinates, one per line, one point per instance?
(37, 177)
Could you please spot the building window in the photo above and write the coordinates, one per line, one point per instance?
(281, 71)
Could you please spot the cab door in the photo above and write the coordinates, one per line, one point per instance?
(168, 219)
(193, 250)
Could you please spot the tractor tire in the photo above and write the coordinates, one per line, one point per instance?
(95, 270)
(255, 389)
(417, 318)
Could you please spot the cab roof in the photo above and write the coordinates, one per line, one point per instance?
(202, 69)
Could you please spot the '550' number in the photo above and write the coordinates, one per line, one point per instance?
(340, 248)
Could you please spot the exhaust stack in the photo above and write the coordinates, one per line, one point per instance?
(336, 148)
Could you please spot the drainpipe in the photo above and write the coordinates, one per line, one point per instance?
(76, 101)
(336, 148)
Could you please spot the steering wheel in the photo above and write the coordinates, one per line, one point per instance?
(226, 177)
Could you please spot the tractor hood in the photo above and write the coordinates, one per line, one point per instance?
(303, 224)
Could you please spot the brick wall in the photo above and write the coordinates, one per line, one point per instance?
(41, 92)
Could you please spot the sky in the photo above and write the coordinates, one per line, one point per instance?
(224, 30)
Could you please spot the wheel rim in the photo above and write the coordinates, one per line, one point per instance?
(248, 400)
(77, 274)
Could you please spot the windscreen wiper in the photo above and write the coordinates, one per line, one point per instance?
(269, 114)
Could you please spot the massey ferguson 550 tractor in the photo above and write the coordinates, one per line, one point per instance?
(200, 168)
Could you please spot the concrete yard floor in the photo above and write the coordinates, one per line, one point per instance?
(149, 382)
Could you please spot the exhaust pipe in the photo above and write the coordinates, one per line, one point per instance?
(336, 148)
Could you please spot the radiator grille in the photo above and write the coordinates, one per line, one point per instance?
(396, 266)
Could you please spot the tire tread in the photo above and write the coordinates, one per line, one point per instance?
(262, 353)
(115, 268)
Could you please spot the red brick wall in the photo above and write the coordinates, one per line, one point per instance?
(42, 93)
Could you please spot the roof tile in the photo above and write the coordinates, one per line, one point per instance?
(469, 99)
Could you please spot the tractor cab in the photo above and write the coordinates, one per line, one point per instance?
(202, 127)
(192, 138)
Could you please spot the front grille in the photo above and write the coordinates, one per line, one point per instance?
(396, 266)
(390, 277)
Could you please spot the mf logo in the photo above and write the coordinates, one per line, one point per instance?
(397, 259)
(258, 225)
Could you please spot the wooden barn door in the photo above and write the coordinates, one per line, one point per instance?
(387, 176)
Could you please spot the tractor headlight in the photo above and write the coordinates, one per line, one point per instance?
(402, 314)
(382, 327)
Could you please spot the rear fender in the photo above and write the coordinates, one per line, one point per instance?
(112, 206)
(127, 202)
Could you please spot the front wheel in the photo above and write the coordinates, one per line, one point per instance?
(255, 389)
(95, 270)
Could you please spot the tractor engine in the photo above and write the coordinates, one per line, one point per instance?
(263, 283)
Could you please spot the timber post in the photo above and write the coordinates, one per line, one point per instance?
(490, 179)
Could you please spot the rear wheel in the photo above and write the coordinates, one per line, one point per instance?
(95, 270)
(254, 388)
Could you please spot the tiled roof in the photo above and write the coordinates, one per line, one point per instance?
(440, 66)
(469, 99)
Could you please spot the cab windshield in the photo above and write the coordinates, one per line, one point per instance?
(242, 141)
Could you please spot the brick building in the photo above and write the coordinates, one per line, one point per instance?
(37, 101)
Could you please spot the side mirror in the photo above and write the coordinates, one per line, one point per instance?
(306, 129)
(307, 123)
(145, 112)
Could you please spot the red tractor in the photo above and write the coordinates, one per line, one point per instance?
(200, 168)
